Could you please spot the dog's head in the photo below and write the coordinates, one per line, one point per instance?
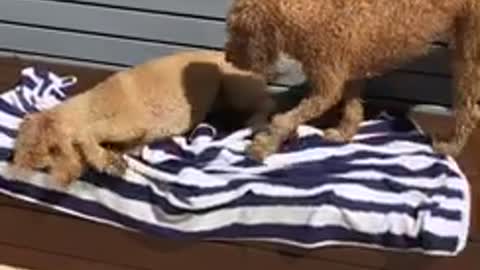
(42, 145)
(253, 42)
(37, 146)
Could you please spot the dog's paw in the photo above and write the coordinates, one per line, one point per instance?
(262, 146)
(336, 135)
(259, 128)
(63, 178)
(117, 165)
(446, 148)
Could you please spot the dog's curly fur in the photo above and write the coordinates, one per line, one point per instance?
(340, 43)
(154, 100)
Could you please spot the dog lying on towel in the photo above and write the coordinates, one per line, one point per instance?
(154, 100)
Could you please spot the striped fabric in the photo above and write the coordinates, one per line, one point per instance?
(386, 190)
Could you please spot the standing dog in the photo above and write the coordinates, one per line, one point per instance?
(340, 43)
(157, 99)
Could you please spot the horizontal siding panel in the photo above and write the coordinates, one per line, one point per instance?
(131, 24)
(155, 27)
(415, 88)
(84, 47)
(207, 8)
(93, 48)
(435, 63)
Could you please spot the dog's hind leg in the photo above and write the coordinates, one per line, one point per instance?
(352, 114)
(466, 80)
(328, 85)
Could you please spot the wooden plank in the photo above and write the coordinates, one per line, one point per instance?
(385, 260)
(117, 22)
(209, 8)
(10, 68)
(41, 260)
(74, 238)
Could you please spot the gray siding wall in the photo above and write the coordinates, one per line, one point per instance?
(122, 33)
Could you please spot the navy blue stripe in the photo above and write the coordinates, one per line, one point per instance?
(9, 109)
(5, 154)
(317, 181)
(331, 165)
(314, 175)
(302, 234)
(357, 155)
(317, 168)
(146, 194)
(391, 137)
(27, 105)
(170, 147)
(315, 141)
(305, 143)
(28, 82)
(11, 133)
(330, 198)
(46, 83)
(41, 73)
(310, 235)
(393, 125)
(59, 96)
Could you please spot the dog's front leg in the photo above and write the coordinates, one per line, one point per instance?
(101, 159)
(259, 119)
(352, 114)
(327, 92)
(67, 170)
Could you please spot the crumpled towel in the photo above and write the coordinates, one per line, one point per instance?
(387, 189)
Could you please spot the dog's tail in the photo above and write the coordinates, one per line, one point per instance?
(466, 71)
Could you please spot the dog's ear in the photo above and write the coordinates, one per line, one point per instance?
(45, 126)
(253, 40)
(32, 116)
(46, 129)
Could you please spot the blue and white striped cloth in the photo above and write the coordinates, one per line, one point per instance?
(386, 190)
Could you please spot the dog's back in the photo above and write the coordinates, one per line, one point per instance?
(170, 93)
(371, 35)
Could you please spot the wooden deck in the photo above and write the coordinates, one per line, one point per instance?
(38, 238)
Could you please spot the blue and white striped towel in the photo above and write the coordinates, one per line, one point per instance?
(387, 189)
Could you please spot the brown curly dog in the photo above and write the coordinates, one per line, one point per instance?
(340, 43)
(154, 100)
